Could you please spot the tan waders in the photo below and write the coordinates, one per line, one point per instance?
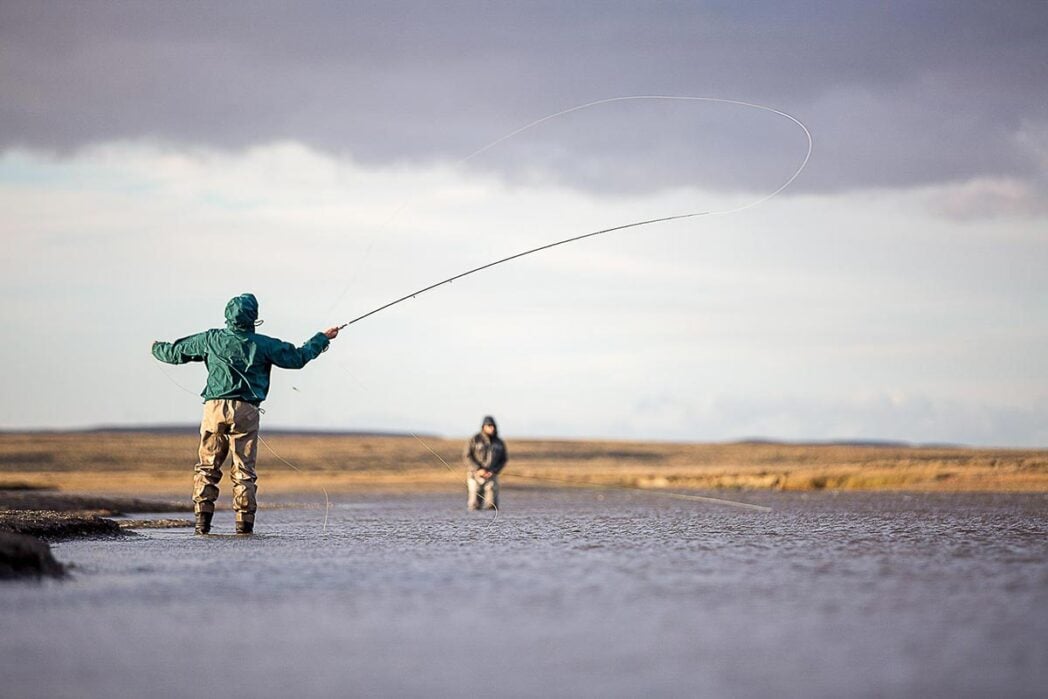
(227, 423)
(483, 493)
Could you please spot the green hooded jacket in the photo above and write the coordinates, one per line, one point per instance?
(238, 359)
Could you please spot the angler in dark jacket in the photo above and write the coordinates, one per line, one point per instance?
(485, 458)
(238, 363)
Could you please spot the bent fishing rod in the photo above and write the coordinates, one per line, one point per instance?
(636, 224)
(519, 255)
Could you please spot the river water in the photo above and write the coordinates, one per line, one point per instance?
(566, 593)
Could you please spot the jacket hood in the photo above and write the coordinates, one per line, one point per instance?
(242, 312)
(488, 420)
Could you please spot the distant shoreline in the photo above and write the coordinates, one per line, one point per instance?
(193, 428)
(161, 462)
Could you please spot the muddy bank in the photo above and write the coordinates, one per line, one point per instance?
(53, 526)
(29, 518)
(24, 551)
(53, 515)
(41, 499)
(154, 523)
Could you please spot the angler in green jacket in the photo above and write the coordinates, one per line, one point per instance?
(238, 363)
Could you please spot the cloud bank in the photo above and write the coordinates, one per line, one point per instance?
(903, 95)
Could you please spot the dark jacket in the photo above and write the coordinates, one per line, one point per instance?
(238, 359)
(488, 453)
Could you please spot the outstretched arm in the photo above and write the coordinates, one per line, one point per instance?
(286, 356)
(188, 349)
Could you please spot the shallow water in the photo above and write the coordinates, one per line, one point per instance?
(564, 594)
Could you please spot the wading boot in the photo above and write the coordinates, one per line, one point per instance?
(245, 527)
(203, 522)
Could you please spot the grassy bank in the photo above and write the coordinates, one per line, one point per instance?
(161, 463)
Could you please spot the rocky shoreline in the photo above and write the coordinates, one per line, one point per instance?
(30, 519)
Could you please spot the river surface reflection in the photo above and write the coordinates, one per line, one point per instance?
(565, 593)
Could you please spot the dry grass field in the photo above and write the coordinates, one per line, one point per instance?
(146, 463)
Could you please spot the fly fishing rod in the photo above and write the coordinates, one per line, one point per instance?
(518, 255)
(635, 224)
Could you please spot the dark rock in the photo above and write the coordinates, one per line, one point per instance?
(26, 556)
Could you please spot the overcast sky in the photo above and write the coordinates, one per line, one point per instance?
(158, 158)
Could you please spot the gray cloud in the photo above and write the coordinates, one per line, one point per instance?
(915, 94)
